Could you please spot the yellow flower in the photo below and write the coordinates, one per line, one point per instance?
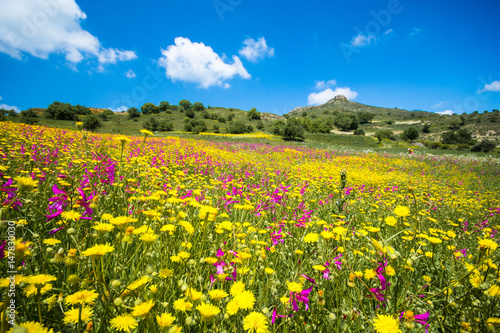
(102, 228)
(71, 215)
(294, 287)
(402, 211)
(488, 244)
(386, 324)
(391, 221)
(370, 274)
(207, 311)
(269, 271)
(182, 305)
(25, 183)
(245, 300)
(165, 273)
(97, 251)
(149, 238)
(32, 327)
(493, 291)
(217, 294)
(51, 241)
(255, 322)
(193, 294)
(40, 280)
(320, 268)
(136, 284)
(237, 288)
(146, 133)
(389, 270)
(434, 240)
(311, 238)
(427, 278)
(81, 297)
(123, 323)
(165, 320)
(122, 221)
(122, 139)
(475, 280)
(232, 307)
(72, 316)
(143, 309)
(31, 290)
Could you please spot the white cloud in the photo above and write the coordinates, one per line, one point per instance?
(415, 31)
(111, 56)
(445, 113)
(493, 86)
(325, 84)
(327, 94)
(130, 74)
(118, 109)
(9, 107)
(44, 27)
(362, 40)
(440, 104)
(390, 31)
(1, 98)
(256, 50)
(198, 63)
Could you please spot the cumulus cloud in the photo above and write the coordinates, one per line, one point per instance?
(255, 50)
(362, 40)
(198, 63)
(493, 86)
(44, 27)
(130, 74)
(325, 84)
(445, 113)
(327, 94)
(9, 107)
(118, 109)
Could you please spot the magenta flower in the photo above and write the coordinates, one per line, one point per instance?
(58, 202)
(421, 318)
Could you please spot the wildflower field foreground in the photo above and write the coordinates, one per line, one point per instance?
(104, 233)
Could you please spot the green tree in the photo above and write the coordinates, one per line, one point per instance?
(133, 113)
(410, 134)
(426, 128)
(164, 106)
(190, 113)
(61, 111)
(365, 117)
(253, 114)
(149, 108)
(185, 103)
(293, 131)
(198, 106)
(92, 123)
(346, 122)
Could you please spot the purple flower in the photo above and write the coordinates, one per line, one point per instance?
(421, 318)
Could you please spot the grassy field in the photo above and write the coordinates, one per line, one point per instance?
(206, 234)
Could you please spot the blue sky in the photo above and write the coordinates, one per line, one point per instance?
(272, 55)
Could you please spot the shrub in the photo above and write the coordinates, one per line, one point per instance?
(435, 145)
(92, 123)
(365, 117)
(61, 111)
(189, 113)
(216, 129)
(260, 126)
(293, 132)
(238, 127)
(359, 131)
(195, 126)
(463, 146)
(445, 146)
(484, 146)
(221, 119)
(385, 134)
(426, 128)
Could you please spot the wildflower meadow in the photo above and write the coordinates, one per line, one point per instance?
(108, 233)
